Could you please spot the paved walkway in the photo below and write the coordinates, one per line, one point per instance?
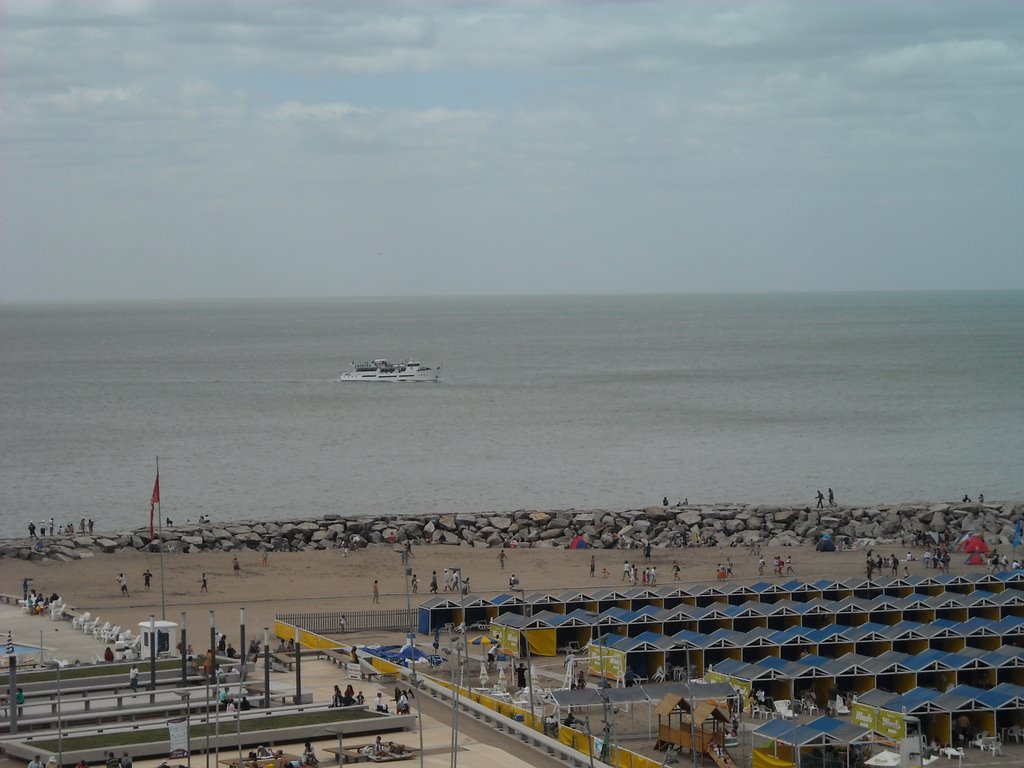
(480, 746)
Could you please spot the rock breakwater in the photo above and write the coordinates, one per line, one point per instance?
(672, 526)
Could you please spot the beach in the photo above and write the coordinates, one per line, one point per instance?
(329, 580)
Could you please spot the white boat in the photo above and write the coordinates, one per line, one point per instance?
(383, 370)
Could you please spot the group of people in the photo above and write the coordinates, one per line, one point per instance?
(43, 530)
(632, 575)
(348, 698)
(779, 566)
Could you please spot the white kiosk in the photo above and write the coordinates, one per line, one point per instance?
(163, 630)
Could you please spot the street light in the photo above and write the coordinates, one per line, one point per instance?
(60, 721)
(529, 663)
(412, 651)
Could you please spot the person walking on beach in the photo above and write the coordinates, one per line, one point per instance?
(147, 577)
(236, 567)
(593, 566)
(626, 573)
(376, 591)
(123, 582)
(415, 584)
(789, 564)
(831, 498)
(502, 557)
(204, 587)
(433, 582)
(821, 500)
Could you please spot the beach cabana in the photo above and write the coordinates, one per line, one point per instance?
(869, 639)
(642, 597)
(603, 660)
(849, 673)
(645, 653)
(723, 644)
(818, 613)
(747, 616)
(786, 741)
(679, 618)
(898, 716)
(690, 647)
(437, 612)
(851, 611)
(1010, 602)
(757, 644)
(575, 628)
(1008, 663)
(577, 600)
(620, 621)
(794, 642)
(768, 591)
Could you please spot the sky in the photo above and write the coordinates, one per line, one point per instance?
(207, 150)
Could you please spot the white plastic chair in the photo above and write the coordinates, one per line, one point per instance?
(841, 708)
(1014, 732)
(79, 621)
(783, 708)
(658, 676)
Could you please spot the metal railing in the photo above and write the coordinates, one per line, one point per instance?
(330, 622)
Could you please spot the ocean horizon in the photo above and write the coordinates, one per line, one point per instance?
(545, 402)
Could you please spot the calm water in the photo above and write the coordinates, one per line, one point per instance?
(544, 403)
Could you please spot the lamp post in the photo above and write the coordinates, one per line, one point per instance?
(213, 644)
(528, 612)
(152, 652)
(266, 668)
(693, 725)
(208, 721)
(241, 647)
(60, 721)
(412, 652)
(184, 645)
(12, 678)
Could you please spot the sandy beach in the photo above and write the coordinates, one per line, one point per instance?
(331, 581)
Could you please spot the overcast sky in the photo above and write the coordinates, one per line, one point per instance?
(237, 149)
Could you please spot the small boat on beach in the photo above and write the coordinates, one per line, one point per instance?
(383, 370)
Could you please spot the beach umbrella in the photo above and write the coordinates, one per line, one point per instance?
(482, 640)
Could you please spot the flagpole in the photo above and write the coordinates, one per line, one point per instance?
(160, 525)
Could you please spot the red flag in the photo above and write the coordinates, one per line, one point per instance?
(153, 502)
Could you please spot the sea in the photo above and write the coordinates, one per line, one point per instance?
(552, 402)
